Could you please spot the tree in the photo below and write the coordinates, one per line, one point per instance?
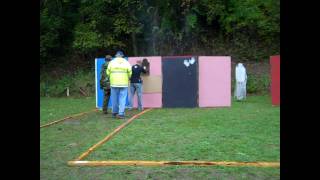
(246, 29)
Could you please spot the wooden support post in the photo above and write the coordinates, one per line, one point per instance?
(85, 154)
(68, 94)
(68, 117)
(170, 163)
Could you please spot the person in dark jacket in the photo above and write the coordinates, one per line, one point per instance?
(136, 84)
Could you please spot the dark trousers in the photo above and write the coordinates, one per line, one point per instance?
(106, 98)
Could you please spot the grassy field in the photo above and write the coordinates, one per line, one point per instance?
(248, 131)
(56, 108)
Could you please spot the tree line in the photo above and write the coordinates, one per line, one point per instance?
(247, 30)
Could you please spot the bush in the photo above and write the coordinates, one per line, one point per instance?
(58, 87)
(258, 84)
(43, 89)
(85, 81)
(255, 84)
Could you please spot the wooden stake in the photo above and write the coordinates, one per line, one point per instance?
(170, 163)
(68, 117)
(109, 136)
(68, 91)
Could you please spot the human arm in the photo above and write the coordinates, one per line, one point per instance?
(129, 70)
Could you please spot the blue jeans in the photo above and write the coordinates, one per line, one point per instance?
(118, 99)
(136, 87)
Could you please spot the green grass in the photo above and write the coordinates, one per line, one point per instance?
(248, 131)
(54, 85)
(67, 140)
(56, 108)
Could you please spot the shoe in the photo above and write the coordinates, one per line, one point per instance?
(114, 115)
(120, 116)
(105, 112)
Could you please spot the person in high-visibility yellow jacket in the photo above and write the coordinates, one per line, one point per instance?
(119, 72)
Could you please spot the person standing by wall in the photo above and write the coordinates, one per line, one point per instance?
(119, 72)
(105, 84)
(136, 84)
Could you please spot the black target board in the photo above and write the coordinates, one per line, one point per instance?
(180, 81)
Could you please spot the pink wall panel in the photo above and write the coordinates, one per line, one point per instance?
(214, 81)
(150, 100)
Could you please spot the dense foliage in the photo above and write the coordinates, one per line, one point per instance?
(84, 29)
